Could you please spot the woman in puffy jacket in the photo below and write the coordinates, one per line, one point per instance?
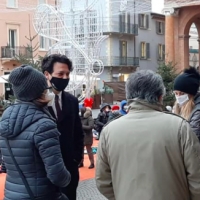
(30, 132)
(187, 105)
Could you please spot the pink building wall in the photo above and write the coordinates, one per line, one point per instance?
(16, 19)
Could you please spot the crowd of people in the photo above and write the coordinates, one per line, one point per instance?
(148, 153)
(143, 153)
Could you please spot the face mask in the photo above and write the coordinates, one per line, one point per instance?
(107, 110)
(182, 99)
(49, 95)
(59, 84)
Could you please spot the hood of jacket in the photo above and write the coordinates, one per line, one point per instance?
(104, 105)
(122, 104)
(18, 117)
(88, 113)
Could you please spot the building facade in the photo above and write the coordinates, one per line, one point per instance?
(138, 44)
(180, 17)
(16, 31)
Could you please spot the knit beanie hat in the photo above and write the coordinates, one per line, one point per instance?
(115, 107)
(28, 83)
(188, 82)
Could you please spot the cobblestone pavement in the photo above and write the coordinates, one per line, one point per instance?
(87, 191)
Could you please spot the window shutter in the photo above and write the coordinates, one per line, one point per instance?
(157, 27)
(158, 54)
(147, 50)
(147, 21)
(140, 49)
(163, 27)
(128, 23)
(139, 20)
(120, 23)
(163, 48)
(120, 48)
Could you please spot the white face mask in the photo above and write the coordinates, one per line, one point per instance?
(182, 99)
(49, 95)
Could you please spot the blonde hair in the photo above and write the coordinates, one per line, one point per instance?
(185, 110)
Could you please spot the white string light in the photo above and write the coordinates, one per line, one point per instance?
(76, 28)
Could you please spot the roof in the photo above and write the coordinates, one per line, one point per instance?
(157, 15)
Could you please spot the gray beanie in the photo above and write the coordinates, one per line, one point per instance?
(28, 83)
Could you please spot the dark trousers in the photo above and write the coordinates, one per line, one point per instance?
(90, 154)
(70, 190)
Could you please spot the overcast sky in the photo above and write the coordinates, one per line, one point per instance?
(157, 5)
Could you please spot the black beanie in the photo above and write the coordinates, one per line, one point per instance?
(188, 82)
(28, 83)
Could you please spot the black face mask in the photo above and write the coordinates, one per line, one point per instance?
(59, 84)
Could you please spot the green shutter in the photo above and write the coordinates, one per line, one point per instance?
(147, 50)
(163, 47)
(157, 27)
(147, 21)
(163, 26)
(139, 20)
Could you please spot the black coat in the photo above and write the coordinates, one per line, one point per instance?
(34, 140)
(195, 118)
(70, 127)
(101, 120)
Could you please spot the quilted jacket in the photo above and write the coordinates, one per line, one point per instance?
(195, 117)
(34, 140)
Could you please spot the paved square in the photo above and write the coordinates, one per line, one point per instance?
(87, 191)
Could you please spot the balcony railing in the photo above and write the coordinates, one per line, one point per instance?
(123, 28)
(8, 52)
(120, 61)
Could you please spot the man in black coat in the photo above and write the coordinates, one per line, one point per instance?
(64, 107)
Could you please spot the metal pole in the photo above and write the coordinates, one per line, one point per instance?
(134, 21)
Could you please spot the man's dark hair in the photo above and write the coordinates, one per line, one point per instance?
(49, 61)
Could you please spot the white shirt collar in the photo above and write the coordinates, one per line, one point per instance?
(52, 102)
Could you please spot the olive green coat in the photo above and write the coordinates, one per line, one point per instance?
(87, 125)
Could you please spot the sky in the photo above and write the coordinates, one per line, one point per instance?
(157, 6)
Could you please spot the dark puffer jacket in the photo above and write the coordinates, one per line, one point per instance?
(102, 118)
(34, 140)
(114, 115)
(195, 117)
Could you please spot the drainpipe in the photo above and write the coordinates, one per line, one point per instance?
(134, 21)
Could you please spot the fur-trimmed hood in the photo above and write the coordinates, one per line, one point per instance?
(88, 112)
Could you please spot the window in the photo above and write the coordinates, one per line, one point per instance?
(12, 38)
(161, 52)
(145, 50)
(43, 43)
(125, 22)
(41, 1)
(12, 3)
(143, 21)
(8, 88)
(123, 52)
(160, 27)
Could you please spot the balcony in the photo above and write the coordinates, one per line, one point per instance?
(121, 28)
(120, 61)
(8, 52)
